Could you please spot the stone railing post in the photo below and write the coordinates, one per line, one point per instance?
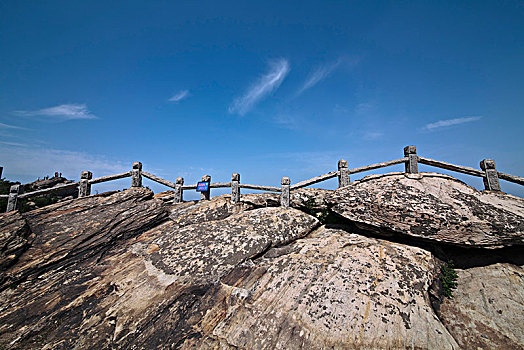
(12, 200)
(84, 188)
(343, 173)
(491, 180)
(206, 195)
(136, 175)
(412, 163)
(284, 195)
(179, 193)
(235, 188)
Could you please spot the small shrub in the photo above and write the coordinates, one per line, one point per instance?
(310, 204)
(448, 277)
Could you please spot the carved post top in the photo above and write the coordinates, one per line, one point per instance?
(487, 164)
(285, 181)
(235, 177)
(137, 165)
(87, 175)
(14, 189)
(410, 150)
(179, 180)
(342, 164)
(206, 178)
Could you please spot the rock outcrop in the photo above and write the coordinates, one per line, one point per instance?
(14, 239)
(432, 207)
(487, 309)
(332, 289)
(132, 270)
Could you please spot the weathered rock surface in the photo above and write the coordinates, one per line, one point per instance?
(187, 213)
(487, 310)
(203, 252)
(332, 289)
(138, 290)
(14, 239)
(129, 270)
(84, 227)
(432, 207)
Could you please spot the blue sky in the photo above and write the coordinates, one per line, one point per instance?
(267, 90)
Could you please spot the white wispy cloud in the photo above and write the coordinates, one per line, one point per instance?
(25, 162)
(7, 126)
(323, 71)
(61, 112)
(180, 96)
(318, 75)
(450, 122)
(12, 143)
(265, 85)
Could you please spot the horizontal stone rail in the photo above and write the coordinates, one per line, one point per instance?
(101, 179)
(377, 166)
(452, 167)
(260, 187)
(158, 179)
(511, 178)
(315, 180)
(48, 190)
(488, 173)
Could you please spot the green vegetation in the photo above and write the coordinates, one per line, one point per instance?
(448, 277)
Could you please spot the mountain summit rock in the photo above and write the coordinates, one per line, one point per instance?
(355, 268)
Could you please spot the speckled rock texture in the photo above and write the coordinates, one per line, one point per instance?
(133, 270)
(432, 207)
(487, 311)
(136, 286)
(332, 289)
(205, 251)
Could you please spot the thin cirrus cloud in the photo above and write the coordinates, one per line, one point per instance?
(7, 126)
(322, 73)
(180, 96)
(61, 112)
(269, 82)
(449, 122)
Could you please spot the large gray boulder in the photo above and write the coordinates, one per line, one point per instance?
(332, 289)
(205, 251)
(432, 207)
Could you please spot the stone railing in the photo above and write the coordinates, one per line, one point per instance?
(487, 172)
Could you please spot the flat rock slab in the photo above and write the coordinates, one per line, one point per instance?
(433, 207)
(331, 289)
(206, 250)
(487, 310)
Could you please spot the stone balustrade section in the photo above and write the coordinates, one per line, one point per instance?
(411, 160)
